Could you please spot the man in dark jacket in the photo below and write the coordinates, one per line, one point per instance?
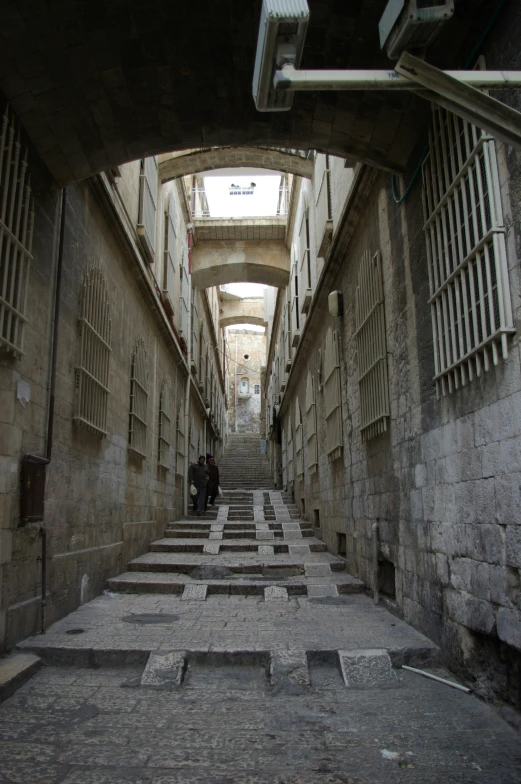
(198, 476)
(212, 489)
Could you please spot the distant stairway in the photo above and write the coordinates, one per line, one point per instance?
(242, 466)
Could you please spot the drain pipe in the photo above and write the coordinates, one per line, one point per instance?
(52, 394)
(376, 546)
(188, 379)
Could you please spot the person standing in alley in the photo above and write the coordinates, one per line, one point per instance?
(198, 476)
(212, 490)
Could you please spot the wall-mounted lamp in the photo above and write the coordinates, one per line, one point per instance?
(335, 303)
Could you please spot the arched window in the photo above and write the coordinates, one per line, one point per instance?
(92, 372)
(299, 440)
(332, 394)
(163, 451)
(311, 424)
(137, 431)
(244, 386)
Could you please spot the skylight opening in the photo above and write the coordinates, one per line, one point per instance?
(245, 193)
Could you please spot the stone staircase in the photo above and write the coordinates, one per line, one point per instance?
(255, 545)
(242, 465)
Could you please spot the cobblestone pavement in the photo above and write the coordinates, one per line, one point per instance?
(226, 725)
(240, 652)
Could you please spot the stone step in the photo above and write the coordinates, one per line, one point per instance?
(164, 583)
(225, 546)
(280, 565)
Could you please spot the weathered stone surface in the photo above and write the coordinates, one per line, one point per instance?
(367, 669)
(164, 670)
(289, 671)
(195, 592)
(275, 593)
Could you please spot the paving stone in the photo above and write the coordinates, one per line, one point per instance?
(266, 549)
(164, 670)
(265, 534)
(317, 570)
(320, 591)
(289, 671)
(217, 527)
(368, 669)
(195, 592)
(211, 548)
(293, 534)
(215, 535)
(299, 549)
(275, 593)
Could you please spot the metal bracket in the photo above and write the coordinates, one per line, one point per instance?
(457, 91)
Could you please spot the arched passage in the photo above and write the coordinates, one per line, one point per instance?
(247, 310)
(94, 87)
(193, 161)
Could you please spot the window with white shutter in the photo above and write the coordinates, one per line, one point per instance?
(332, 395)
(305, 264)
(466, 252)
(170, 273)
(299, 440)
(146, 224)
(180, 440)
(182, 322)
(290, 454)
(16, 237)
(311, 425)
(92, 371)
(163, 451)
(195, 330)
(284, 459)
(295, 311)
(371, 343)
(137, 433)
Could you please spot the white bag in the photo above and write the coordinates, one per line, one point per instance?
(193, 489)
(220, 492)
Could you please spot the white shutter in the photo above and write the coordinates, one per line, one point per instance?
(332, 394)
(311, 424)
(170, 274)
(146, 225)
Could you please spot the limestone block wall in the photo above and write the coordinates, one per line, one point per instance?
(443, 481)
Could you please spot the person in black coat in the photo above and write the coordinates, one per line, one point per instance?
(212, 488)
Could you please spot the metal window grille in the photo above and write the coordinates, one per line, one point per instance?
(182, 323)
(290, 454)
(284, 459)
(305, 264)
(137, 434)
(295, 311)
(16, 237)
(311, 424)
(299, 441)
(371, 342)
(256, 390)
(92, 371)
(170, 275)
(163, 450)
(180, 441)
(332, 394)
(146, 223)
(466, 252)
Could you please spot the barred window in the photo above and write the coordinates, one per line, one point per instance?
(290, 454)
(311, 424)
(16, 237)
(146, 223)
(466, 252)
(284, 459)
(163, 451)
(170, 274)
(180, 441)
(299, 441)
(371, 343)
(92, 371)
(137, 432)
(332, 394)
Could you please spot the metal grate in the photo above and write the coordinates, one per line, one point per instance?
(163, 450)
(180, 441)
(371, 342)
(137, 435)
(332, 394)
(466, 252)
(299, 440)
(16, 237)
(170, 282)
(311, 424)
(92, 372)
(146, 223)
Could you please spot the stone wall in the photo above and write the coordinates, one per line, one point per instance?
(247, 350)
(103, 502)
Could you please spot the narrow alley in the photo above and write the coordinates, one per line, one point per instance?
(239, 650)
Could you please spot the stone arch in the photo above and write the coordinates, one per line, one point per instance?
(193, 161)
(216, 262)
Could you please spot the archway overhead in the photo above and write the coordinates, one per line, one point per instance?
(247, 310)
(216, 262)
(193, 161)
(97, 85)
